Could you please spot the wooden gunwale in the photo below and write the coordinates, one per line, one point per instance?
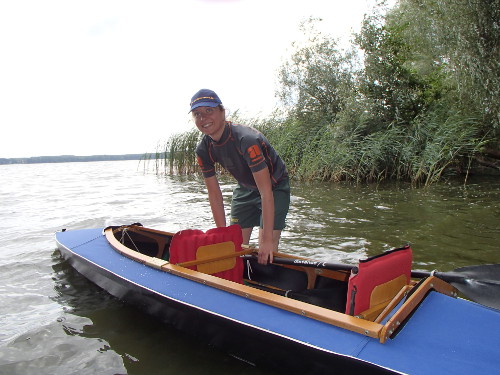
(355, 324)
(157, 235)
(429, 284)
(315, 312)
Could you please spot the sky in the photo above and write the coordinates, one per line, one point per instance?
(105, 77)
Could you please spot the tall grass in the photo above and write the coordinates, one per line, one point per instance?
(181, 152)
(441, 142)
(177, 154)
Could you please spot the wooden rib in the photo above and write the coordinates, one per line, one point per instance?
(382, 295)
(372, 312)
(331, 274)
(392, 304)
(312, 273)
(267, 286)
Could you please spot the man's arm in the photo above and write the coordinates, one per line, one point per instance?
(266, 246)
(216, 201)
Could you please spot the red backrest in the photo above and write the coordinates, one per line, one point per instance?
(373, 272)
(185, 244)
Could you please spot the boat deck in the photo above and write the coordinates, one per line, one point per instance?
(444, 334)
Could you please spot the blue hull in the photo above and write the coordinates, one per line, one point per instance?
(444, 335)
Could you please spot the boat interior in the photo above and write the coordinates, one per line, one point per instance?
(371, 291)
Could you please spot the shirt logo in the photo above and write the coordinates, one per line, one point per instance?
(200, 162)
(254, 153)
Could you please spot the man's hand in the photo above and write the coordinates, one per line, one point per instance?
(266, 252)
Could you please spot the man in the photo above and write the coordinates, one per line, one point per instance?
(262, 196)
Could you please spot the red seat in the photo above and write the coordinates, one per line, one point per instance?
(193, 244)
(378, 279)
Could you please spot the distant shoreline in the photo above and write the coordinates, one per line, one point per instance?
(72, 158)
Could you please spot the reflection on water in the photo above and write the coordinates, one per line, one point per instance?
(134, 342)
(54, 321)
(448, 225)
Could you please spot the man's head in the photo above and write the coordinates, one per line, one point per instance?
(208, 113)
(205, 98)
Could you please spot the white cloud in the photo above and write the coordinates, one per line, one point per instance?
(112, 77)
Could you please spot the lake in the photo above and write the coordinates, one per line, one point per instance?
(54, 321)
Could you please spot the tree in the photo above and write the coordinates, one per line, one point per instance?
(317, 79)
(464, 37)
(392, 84)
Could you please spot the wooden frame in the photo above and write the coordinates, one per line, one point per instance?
(365, 327)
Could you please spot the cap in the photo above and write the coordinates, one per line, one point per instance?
(205, 98)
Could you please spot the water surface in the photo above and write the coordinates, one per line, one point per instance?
(54, 321)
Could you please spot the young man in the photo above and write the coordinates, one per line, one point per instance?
(262, 196)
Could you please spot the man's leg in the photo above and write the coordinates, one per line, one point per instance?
(247, 233)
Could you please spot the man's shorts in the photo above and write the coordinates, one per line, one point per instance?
(246, 206)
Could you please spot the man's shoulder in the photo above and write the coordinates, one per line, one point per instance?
(241, 131)
(204, 144)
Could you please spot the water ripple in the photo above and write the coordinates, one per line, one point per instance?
(56, 322)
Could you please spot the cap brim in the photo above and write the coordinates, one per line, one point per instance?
(204, 104)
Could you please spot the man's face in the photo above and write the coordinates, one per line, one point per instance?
(210, 121)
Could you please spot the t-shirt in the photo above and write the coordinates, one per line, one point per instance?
(241, 150)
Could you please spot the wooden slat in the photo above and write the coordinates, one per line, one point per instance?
(215, 258)
(312, 273)
(392, 304)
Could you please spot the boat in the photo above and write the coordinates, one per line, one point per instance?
(297, 315)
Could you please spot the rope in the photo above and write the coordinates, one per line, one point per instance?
(249, 270)
(122, 239)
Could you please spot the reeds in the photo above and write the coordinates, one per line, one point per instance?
(440, 143)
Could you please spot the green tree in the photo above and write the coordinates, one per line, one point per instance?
(463, 36)
(317, 78)
(394, 90)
